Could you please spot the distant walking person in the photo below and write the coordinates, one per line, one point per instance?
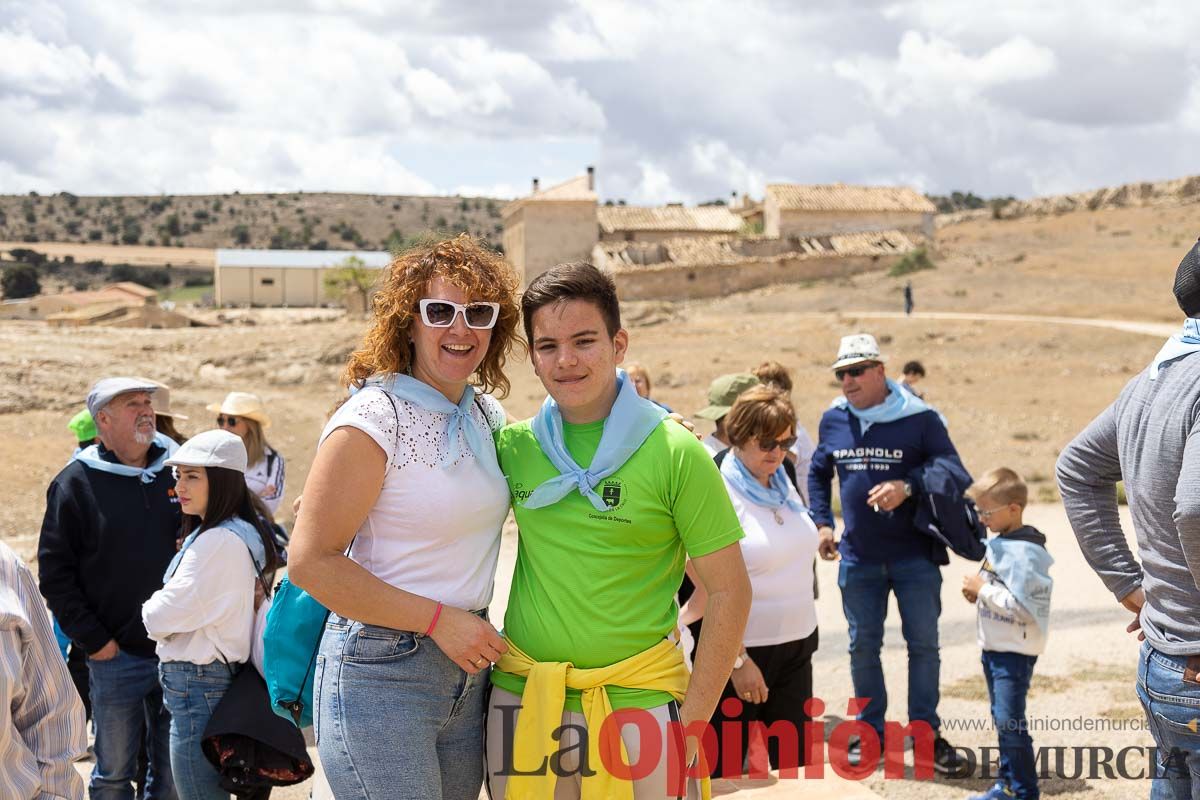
(42, 725)
(908, 298)
(1147, 438)
(244, 414)
(108, 534)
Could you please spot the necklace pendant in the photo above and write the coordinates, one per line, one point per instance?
(778, 517)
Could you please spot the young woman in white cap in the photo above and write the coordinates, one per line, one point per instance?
(243, 413)
(203, 616)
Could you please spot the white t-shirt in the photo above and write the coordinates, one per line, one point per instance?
(266, 478)
(779, 560)
(434, 532)
(713, 445)
(803, 450)
(205, 612)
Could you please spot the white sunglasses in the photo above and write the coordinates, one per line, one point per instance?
(442, 313)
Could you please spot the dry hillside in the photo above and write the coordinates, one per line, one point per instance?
(296, 220)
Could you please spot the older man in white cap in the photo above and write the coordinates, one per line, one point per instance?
(107, 536)
(880, 440)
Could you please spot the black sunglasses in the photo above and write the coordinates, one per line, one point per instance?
(226, 422)
(853, 372)
(785, 444)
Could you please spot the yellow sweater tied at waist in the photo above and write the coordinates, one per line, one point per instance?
(657, 669)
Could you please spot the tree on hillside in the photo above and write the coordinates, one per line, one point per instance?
(20, 281)
(351, 281)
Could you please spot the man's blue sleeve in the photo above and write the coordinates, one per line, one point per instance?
(820, 481)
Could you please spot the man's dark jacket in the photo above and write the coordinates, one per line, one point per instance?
(106, 541)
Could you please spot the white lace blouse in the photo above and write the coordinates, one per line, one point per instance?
(433, 531)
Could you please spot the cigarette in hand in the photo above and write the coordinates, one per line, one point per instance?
(876, 507)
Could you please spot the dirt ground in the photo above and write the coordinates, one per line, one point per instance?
(1013, 392)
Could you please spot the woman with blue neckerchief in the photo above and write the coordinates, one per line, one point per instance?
(399, 534)
(203, 616)
(772, 677)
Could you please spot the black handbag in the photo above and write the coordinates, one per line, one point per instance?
(251, 746)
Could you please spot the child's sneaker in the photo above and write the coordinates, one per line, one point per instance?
(997, 792)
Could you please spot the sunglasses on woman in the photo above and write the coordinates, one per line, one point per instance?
(442, 313)
(226, 422)
(785, 444)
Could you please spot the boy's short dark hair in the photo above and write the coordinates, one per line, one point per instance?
(914, 368)
(577, 280)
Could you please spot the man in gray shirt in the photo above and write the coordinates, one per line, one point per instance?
(1150, 438)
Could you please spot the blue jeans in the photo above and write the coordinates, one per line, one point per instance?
(1172, 706)
(1008, 676)
(127, 708)
(191, 692)
(917, 583)
(394, 717)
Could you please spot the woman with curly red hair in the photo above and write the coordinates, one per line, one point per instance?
(400, 530)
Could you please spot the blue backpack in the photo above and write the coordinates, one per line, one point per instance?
(292, 635)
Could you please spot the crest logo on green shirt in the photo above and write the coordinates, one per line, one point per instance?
(612, 491)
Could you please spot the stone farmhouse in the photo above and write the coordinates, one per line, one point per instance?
(673, 251)
(791, 209)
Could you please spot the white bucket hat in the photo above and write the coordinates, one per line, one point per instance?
(242, 404)
(215, 448)
(857, 348)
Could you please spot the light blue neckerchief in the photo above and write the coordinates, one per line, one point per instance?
(90, 457)
(776, 497)
(898, 405)
(244, 530)
(1025, 569)
(406, 387)
(630, 422)
(1178, 346)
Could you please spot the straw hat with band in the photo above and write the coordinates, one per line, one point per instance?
(242, 404)
(724, 392)
(857, 349)
(162, 400)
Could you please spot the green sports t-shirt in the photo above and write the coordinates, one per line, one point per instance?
(594, 588)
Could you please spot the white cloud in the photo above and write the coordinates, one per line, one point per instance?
(669, 104)
(929, 70)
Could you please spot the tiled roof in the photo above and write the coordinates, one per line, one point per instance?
(717, 219)
(845, 197)
(573, 190)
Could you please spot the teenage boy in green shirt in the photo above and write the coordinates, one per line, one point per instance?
(625, 497)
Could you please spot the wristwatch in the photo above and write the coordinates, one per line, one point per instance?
(908, 488)
(740, 661)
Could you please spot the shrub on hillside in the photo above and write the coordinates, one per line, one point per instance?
(913, 261)
(20, 281)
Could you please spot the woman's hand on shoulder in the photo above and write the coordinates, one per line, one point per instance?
(467, 640)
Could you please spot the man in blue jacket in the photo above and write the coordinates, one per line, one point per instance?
(881, 441)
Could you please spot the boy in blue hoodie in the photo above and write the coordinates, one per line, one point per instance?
(1011, 593)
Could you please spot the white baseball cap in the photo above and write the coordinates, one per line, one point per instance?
(857, 348)
(215, 448)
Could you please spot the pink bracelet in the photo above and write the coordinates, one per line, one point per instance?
(437, 612)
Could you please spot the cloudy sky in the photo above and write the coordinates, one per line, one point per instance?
(672, 101)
